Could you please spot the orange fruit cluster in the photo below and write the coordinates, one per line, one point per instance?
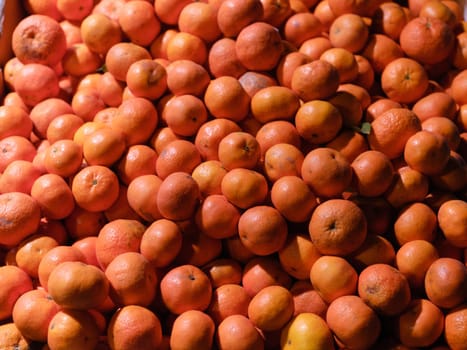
(233, 175)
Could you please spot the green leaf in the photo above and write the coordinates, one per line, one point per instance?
(365, 128)
(102, 69)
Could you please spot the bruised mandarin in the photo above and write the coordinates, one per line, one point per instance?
(40, 39)
(384, 288)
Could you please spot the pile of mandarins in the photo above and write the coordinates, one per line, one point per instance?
(233, 175)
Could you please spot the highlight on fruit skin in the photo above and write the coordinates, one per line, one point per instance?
(233, 174)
